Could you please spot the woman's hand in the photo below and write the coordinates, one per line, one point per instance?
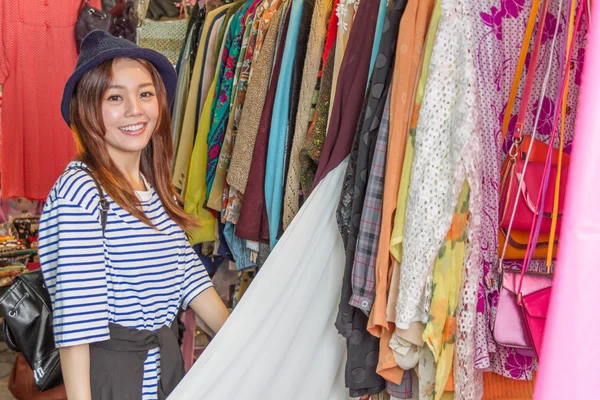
(210, 309)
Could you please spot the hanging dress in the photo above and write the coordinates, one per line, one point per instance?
(316, 42)
(310, 151)
(411, 36)
(253, 224)
(258, 86)
(223, 91)
(275, 171)
(194, 105)
(37, 55)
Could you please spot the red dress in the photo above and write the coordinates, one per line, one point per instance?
(37, 56)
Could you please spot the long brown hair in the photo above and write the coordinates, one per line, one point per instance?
(156, 159)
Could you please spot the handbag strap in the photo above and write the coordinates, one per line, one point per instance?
(514, 149)
(534, 234)
(573, 28)
(103, 204)
(530, 71)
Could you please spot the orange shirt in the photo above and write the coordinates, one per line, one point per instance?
(411, 36)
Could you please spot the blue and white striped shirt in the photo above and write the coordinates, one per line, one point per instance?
(138, 280)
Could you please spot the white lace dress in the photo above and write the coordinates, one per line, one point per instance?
(447, 150)
(445, 153)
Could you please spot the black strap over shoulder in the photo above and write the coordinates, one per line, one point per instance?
(27, 311)
(104, 205)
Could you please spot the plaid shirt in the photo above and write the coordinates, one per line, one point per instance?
(363, 270)
(404, 390)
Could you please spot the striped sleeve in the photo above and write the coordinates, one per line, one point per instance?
(196, 279)
(72, 259)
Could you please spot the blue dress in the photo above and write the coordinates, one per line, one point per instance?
(275, 169)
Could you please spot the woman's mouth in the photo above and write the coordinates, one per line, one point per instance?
(134, 130)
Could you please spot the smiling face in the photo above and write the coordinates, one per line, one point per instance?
(130, 109)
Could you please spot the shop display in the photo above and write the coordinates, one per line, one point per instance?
(382, 187)
(457, 152)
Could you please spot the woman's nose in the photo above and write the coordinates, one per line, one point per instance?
(134, 106)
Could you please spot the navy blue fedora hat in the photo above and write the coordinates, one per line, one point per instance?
(97, 47)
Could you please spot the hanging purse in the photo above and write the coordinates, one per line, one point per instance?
(516, 247)
(525, 296)
(160, 9)
(510, 327)
(166, 37)
(517, 196)
(513, 246)
(120, 21)
(523, 201)
(535, 304)
(520, 207)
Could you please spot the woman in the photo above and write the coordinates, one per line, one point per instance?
(116, 290)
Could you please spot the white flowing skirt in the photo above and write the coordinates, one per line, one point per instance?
(280, 343)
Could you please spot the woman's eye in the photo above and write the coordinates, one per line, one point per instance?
(114, 98)
(147, 94)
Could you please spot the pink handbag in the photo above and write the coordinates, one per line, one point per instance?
(510, 329)
(525, 296)
(535, 309)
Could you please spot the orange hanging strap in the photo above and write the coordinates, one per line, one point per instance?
(520, 66)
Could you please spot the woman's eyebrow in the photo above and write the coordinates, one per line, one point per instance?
(142, 85)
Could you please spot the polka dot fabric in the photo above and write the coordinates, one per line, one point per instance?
(37, 55)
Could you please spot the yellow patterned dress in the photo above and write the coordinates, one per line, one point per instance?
(439, 333)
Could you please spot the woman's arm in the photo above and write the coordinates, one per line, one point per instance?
(211, 309)
(75, 364)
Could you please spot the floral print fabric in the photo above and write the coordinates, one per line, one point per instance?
(499, 29)
(439, 333)
(222, 101)
(231, 199)
(238, 92)
(258, 84)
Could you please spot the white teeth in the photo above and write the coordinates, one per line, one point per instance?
(133, 127)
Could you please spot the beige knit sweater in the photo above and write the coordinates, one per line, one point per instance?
(314, 52)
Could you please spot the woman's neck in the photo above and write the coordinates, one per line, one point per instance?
(129, 165)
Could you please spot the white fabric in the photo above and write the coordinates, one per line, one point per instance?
(405, 353)
(446, 151)
(280, 342)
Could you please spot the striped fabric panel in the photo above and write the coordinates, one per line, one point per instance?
(72, 258)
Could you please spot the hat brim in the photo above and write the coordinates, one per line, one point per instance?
(160, 62)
